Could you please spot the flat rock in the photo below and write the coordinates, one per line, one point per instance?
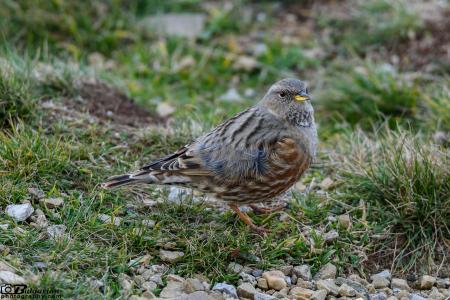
(426, 282)
(301, 293)
(19, 212)
(347, 291)
(262, 296)
(328, 285)
(275, 279)
(173, 289)
(170, 256)
(56, 231)
(246, 290)
(193, 285)
(11, 278)
(52, 202)
(384, 274)
(401, 284)
(379, 282)
(303, 272)
(328, 271)
(225, 288)
(199, 295)
(262, 283)
(319, 295)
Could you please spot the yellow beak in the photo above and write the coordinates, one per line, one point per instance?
(301, 98)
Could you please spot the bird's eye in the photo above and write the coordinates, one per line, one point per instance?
(282, 94)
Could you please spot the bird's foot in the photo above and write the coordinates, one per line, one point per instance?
(247, 220)
(265, 210)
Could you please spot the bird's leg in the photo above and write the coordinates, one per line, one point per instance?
(266, 210)
(247, 220)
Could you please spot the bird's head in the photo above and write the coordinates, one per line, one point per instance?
(289, 99)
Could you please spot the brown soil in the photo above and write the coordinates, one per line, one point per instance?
(108, 103)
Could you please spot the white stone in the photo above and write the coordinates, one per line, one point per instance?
(170, 256)
(225, 288)
(148, 223)
(110, 220)
(172, 290)
(19, 212)
(11, 278)
(56, 231)
(328, 271)
(331, 236)
(52, 202)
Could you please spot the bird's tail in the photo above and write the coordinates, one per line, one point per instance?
(125, 179)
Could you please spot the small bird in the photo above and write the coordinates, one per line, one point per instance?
(251, 158)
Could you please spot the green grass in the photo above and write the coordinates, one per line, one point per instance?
(46, 51)
(369, 94)
(406, 185)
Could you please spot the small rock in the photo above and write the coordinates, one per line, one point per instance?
(164, 109)
(435, 294)
(378, 296)
(319, 295)
(125, 282)
(379, 282)
(259, 49)
(192, 285)
(303, 272)
(326, 184)
(443, 283)
(262, 283)
(328, 285)
(5, 267)
(186, 63)
(199, 295)
(359, 288)
(246, 63)
(4, 226)
(401, 284)
(110, 220)
(149, 295)
(257, 272)
(56, 231)
(19, 212)
(11, 278)
(347, 291)
(246, 290)
(358, 279)
(426, 282)
(225, 288)
(156, 278)
(39, 220)
(331, 236)
(52, 202)
(287, 270)
(262, 296)
(384, 274)
(149, 202)
(275, 279)
(40, 265)
(248, 278)
(148, 223)
(35, 192)
(176, 195)
(344, 221)
(149, 286)
(370, 288)
(170, 256)
(173, 289)
(301, 293)
(328, 271)
(416, 297)
(305, 284)
(173, 277)
(232, 95)
(235, 268)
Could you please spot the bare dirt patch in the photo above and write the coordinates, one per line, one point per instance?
(108, 103)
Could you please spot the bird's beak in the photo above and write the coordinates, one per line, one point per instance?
(303, 96)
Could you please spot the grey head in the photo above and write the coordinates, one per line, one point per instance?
(289, 100)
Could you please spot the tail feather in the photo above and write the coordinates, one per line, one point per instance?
(120, 180)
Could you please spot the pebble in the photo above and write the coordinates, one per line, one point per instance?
(246, 290)
(38, 193)
(328, 271)
(165, 109)
(52, 202)
(225, 288)
(192, 285)
(301, 293)
(326, 184)
(261, 296)
(56, 231)
(170, 256)
(384, 274)
(426, 282)
(176, 195)
(379, 281)
(344, 221)
(173, 289)
(319, 295)
(125, 282)
(148, 223)
(149, 285)
(11, 278)
(303, 272)
(416, 297)
(305, 284)
(19, 212)
(401, 284)
(331, 236)
(110, 220)
(347, 291)
(262, 283)
(4, 226)
(275, 279)
(235, 267)
(328, 285)
(173, 277)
